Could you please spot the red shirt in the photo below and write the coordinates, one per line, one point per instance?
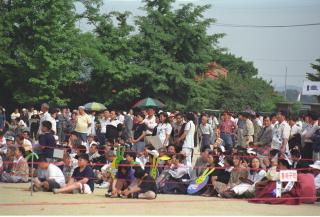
(227, 127)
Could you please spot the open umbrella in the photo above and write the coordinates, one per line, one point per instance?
(148, 102)
(94, 106)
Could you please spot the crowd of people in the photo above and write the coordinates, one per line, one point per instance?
(139, 154)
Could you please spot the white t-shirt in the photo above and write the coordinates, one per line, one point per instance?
(56, 174)
(189, 140)
(280, 132)
(151, 123)
(104, 124)
(92, 128)
(163, 130)
(44, 117)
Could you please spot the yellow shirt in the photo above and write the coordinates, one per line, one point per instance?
(82, 124)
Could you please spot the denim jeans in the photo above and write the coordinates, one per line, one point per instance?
(227, 141)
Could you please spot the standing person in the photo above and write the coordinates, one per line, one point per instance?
(24, 115)
(127, 127)
(103, 123)
(139, 134)
(83, 123)
(2, 120)
(248, 130)
(205, 132)
(281, 133)
(257, 126)
(264, 138)
(177, 126)
(295, 133)
(62, 124)
(164, 129)
(71, 125)
(34, 124)
(274, 119)
(188, 138)
(150, 121)
(15, 114)
(227, 129)
(92, 129)
(81, 180)
(307, 150)
(53, 120)
(47, 141)
(45, 116)
(54, 177)
(113, 128)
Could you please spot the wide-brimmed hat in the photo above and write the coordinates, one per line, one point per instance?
(316, 165)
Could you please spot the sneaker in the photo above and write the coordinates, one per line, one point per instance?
(55, 191)
(104, 185)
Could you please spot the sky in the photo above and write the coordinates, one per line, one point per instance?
(272, 50)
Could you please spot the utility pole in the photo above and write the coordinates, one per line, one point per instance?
(285, 85)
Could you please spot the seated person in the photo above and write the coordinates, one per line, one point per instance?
(20, 169)
(247, 186)
(178, 177)
(93, 152)
(294, 193)
(81, 180)
(54, 177)
(201, 163)
(69, 164)
(316, 172)
(123, 179)
(220, 174)
(108, 170)
(146, 188)
(236, 174)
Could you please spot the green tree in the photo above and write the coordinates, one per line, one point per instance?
(38, 49)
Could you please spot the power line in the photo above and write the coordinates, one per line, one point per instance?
(265, 26)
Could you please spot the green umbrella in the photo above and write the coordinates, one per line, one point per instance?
(148, 102)
(94, 106)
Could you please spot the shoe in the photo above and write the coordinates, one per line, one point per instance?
(55, 191)
(114, 196)
(228, 194)
(104, 185)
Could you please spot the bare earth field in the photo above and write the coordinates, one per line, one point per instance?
(16, 200)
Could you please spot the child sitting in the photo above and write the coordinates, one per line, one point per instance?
(81, 180)
(146, 188)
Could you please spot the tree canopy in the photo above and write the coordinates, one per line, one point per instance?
(45, 57)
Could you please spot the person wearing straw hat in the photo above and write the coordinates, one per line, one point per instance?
(316, 173)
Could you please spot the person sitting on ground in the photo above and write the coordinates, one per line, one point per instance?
(69, 164)
(81, 180)
(20, 169)
(237, 173)
(178, 177)
(247, 185)
(123, 179)
(221, 174)
(93, 152)
(200, 164)
(54, 177)
(108, 170)
(146, 187)
(22, 142)
(316, 172)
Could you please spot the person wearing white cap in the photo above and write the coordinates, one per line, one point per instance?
(316, 172)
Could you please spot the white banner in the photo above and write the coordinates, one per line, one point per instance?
(311, 88)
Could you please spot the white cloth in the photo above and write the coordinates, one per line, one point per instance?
(92, 128)
(54, 172)
(15, 116)
(121, 118)
(280, 132)
(104, 124)
(189, 140)
(259, 123)
(85, 189)
(44, 117)
(243, 187)
(3, 145)
(295, 129)
(309, 131)
(164, 129)
(151, 124)
(179, 171)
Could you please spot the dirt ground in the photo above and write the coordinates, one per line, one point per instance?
(16, 200)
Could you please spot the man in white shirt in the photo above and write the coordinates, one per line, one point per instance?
(281, 134)
(54, 177)
(294, 127)
(273, 118)
(45, 116)
(188, 138)
(307, 150)
(150, 121)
